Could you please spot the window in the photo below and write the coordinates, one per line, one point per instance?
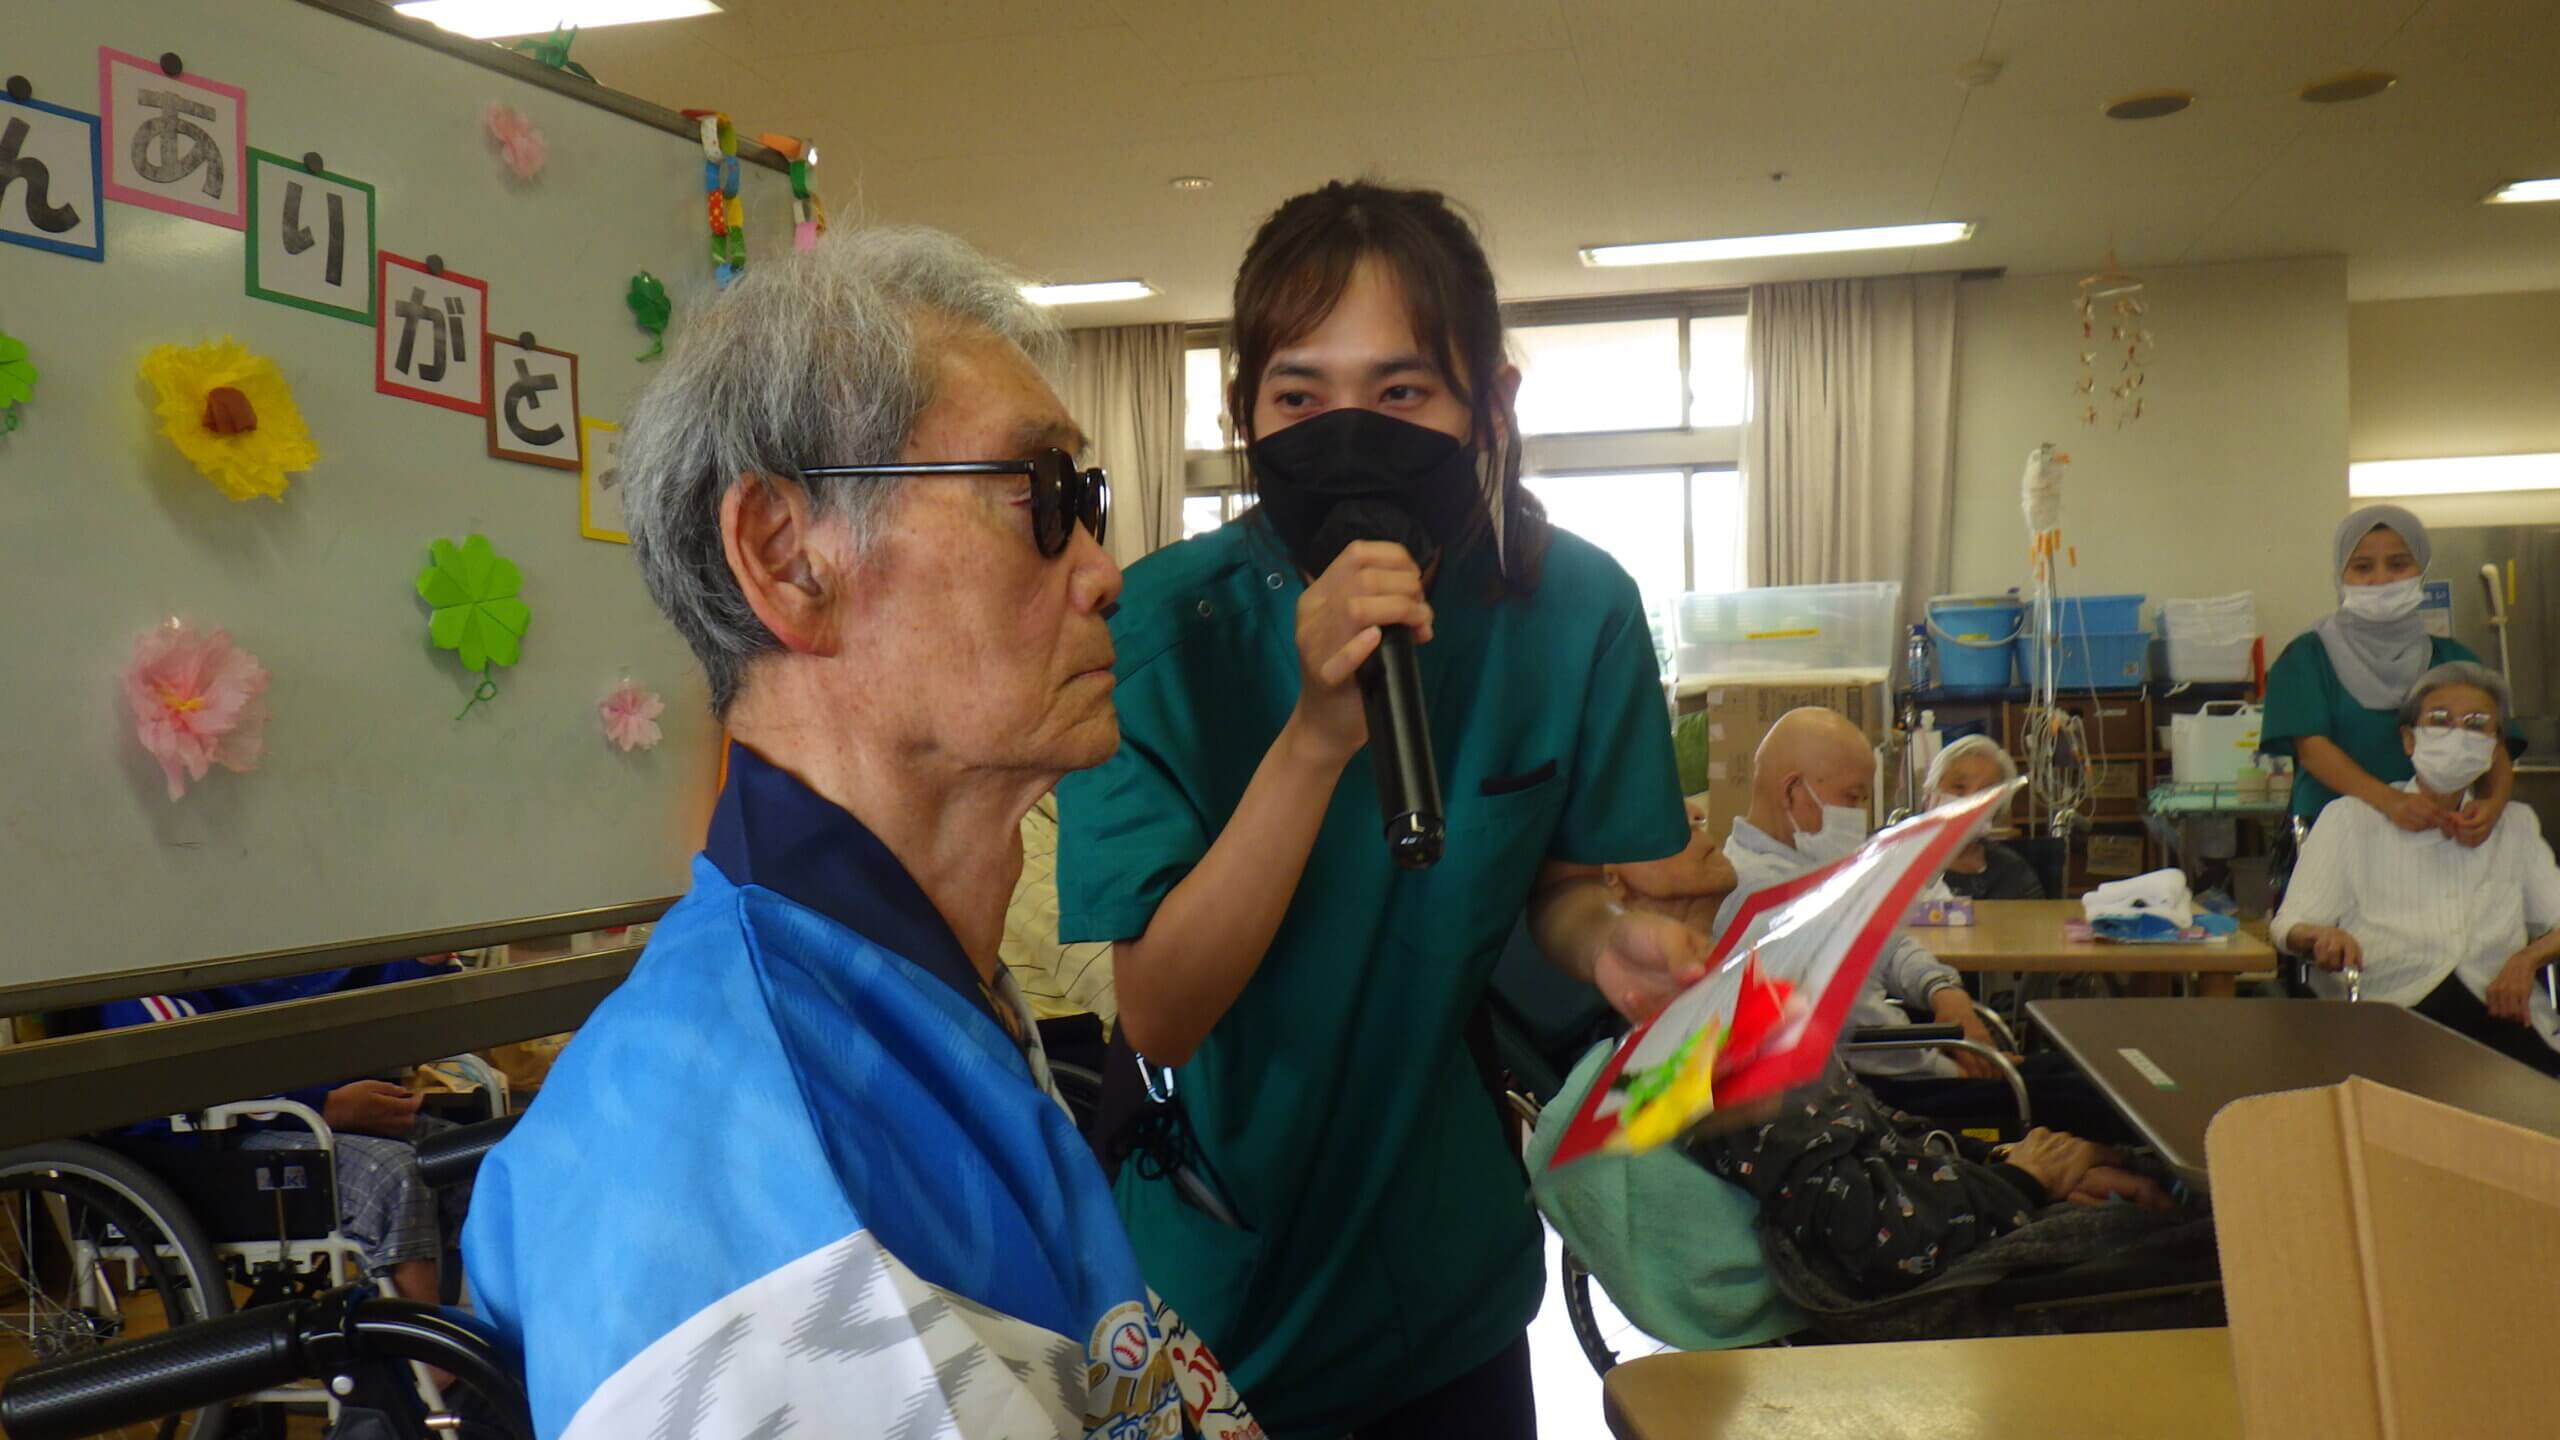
(1673, 531)
(1202, 514)
(1715, 530)
(1719, 375)
(1609, 375)
(1204, 406)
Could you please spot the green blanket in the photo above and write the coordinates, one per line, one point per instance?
(1673, 1245)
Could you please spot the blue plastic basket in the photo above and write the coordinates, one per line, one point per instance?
(2096, 661)
(2096, 615)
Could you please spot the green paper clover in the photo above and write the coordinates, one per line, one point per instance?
(17, 380)
(471, 592)
(650, 307)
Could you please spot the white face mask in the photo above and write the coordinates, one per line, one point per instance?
(2448, 760)
(2394, 600)
(1844, 828)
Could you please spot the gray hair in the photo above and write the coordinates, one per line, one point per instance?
(1971, 746)
(814, 359)
(2457, 672)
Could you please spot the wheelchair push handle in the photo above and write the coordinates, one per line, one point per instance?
(184, 1369)
(453, 1157)
(357, 1343)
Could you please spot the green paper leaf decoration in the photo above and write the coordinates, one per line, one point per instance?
(470, 590)
(650, 308)
(17, 380)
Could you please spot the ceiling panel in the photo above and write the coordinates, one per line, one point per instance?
(1047, 130)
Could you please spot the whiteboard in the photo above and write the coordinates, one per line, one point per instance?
(374, 809)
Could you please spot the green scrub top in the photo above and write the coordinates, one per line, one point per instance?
(1390, 1246)
(2304, 697)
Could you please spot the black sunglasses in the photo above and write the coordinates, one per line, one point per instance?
(1062, 496)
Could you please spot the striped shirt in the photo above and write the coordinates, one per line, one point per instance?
(2423, 906)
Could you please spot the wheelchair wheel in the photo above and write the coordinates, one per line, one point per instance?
(69, 1212)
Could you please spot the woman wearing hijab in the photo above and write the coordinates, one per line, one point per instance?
(2333, 697)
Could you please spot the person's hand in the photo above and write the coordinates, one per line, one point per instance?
(2510, 996)
(1372, 583)
(2335, 949)
(2105, 1182)
(2057, 1161)
(372, 1107)
(1952, 1006)
(2472, 823)
(1648, 959)
(2412, 811)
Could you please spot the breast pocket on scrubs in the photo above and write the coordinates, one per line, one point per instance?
(1499, 829)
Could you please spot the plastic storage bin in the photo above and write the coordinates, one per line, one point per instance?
(2091, 662)
(2210, 639)
(1787, 629)
(1975, 637)
(2094, 614)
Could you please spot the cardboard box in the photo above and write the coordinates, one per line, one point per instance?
(2389, 1265)
(1739, 715)
(2114, 856)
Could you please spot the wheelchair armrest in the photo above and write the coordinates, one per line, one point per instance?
(1925, 1037)
(227, 1117)
(454, 1156)
(1907, 1036)
(485, 1078)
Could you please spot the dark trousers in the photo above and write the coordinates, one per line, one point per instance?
(2059, 1095)
(1491, 1402)
(2453, 1006)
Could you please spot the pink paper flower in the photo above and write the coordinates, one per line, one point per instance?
(195, 702)
(519, 143)
(630, 716)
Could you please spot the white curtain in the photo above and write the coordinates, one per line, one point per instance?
(1124, 386)
(1849, 455)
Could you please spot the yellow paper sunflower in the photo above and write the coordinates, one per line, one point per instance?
(231, 414)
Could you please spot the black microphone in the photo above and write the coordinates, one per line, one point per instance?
(1408, 775)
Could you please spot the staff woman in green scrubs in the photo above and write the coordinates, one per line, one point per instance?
(1312, 996)
(2333, 696)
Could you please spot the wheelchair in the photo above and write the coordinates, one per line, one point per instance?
(366, 1352)
(113, 1237)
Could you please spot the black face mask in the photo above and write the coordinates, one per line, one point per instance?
(1358, 475)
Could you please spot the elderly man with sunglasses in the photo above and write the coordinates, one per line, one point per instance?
(2462, 935)
(804, 1172)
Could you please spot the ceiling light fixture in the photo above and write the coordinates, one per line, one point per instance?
(2354, 85)
(2150, 105)
(2459, 475)
(2526, 192)
(1092, 292)
(1191, 183)
(496, 19)
(1754, 247)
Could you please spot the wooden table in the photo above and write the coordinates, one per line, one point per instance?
(2169, 1066)
(2130, 1385)
(2025, 936)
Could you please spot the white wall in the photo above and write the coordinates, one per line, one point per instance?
(2232, 479)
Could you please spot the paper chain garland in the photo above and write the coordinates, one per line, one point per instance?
(808, 217)
(720, 194)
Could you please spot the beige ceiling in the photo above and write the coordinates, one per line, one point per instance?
(1046, 130)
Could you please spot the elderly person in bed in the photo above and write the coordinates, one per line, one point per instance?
(2462, 935)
